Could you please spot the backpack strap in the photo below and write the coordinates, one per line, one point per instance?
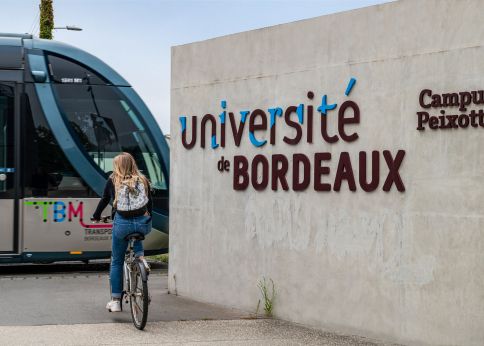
(127, 195)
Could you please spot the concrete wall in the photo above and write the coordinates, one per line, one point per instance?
(404, 266)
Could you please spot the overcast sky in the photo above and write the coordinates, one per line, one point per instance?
(135, 36)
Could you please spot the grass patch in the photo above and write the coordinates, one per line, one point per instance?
(164, 258)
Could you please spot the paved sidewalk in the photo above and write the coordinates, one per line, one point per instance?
(64, 305)
(80, 297)
(224, 332)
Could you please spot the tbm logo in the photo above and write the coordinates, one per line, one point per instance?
(60, 212)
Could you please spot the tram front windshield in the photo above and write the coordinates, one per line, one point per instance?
(103, 121)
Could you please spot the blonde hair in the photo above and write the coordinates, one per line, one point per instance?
(126, 172)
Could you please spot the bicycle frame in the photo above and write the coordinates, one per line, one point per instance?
(129, 262)
(134, 273)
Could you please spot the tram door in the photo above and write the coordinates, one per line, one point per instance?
(9, 188)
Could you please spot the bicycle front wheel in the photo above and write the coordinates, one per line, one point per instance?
(139, 298)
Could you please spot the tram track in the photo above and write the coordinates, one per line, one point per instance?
(69, 270)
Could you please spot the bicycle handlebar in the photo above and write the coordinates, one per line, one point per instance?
(104, 219)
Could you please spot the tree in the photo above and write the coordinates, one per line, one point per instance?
(46, 19)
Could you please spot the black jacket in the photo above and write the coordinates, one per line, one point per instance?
(108, 195)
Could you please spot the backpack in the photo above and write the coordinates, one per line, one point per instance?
(131, 199)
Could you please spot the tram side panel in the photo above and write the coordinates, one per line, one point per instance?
(62, 225)
(6, 229)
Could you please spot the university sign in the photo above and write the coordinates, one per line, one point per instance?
(441, 102)
(262, 171)
(370, 183)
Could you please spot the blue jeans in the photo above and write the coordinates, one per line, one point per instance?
(121, 228)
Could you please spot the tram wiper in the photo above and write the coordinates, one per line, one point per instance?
(104, 129)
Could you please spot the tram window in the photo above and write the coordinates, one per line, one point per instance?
(68, 72)
(47, 172)
(6, 139)
(10, 57)
(105, 123)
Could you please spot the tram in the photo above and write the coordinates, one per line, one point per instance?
(64, 116)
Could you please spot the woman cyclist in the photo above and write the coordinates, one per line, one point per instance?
(131, 213)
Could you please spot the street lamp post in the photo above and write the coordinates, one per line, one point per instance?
(68, 27)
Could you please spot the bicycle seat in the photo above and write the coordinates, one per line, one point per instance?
(135, 236)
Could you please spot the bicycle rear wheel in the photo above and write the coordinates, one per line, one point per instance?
(139, 298)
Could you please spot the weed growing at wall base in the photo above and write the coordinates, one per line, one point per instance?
(267, 298)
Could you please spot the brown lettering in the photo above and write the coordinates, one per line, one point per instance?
(279, 173)
(342, 121)
(208, 118)
(344, 172)
(237, 132)
(393, 167)
(324, 130)
(253, 126)
(375, 171)
(194, 135)
(423, 117)
(241, 165)
(295, 125)
(260, 159)
(421, 98)
(298, 159)
(321, 170)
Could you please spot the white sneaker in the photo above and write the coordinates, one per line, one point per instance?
(114, 306)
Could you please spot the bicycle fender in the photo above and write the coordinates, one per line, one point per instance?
(142, 270)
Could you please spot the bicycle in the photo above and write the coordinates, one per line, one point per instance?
(136, 284)
(135, 281)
